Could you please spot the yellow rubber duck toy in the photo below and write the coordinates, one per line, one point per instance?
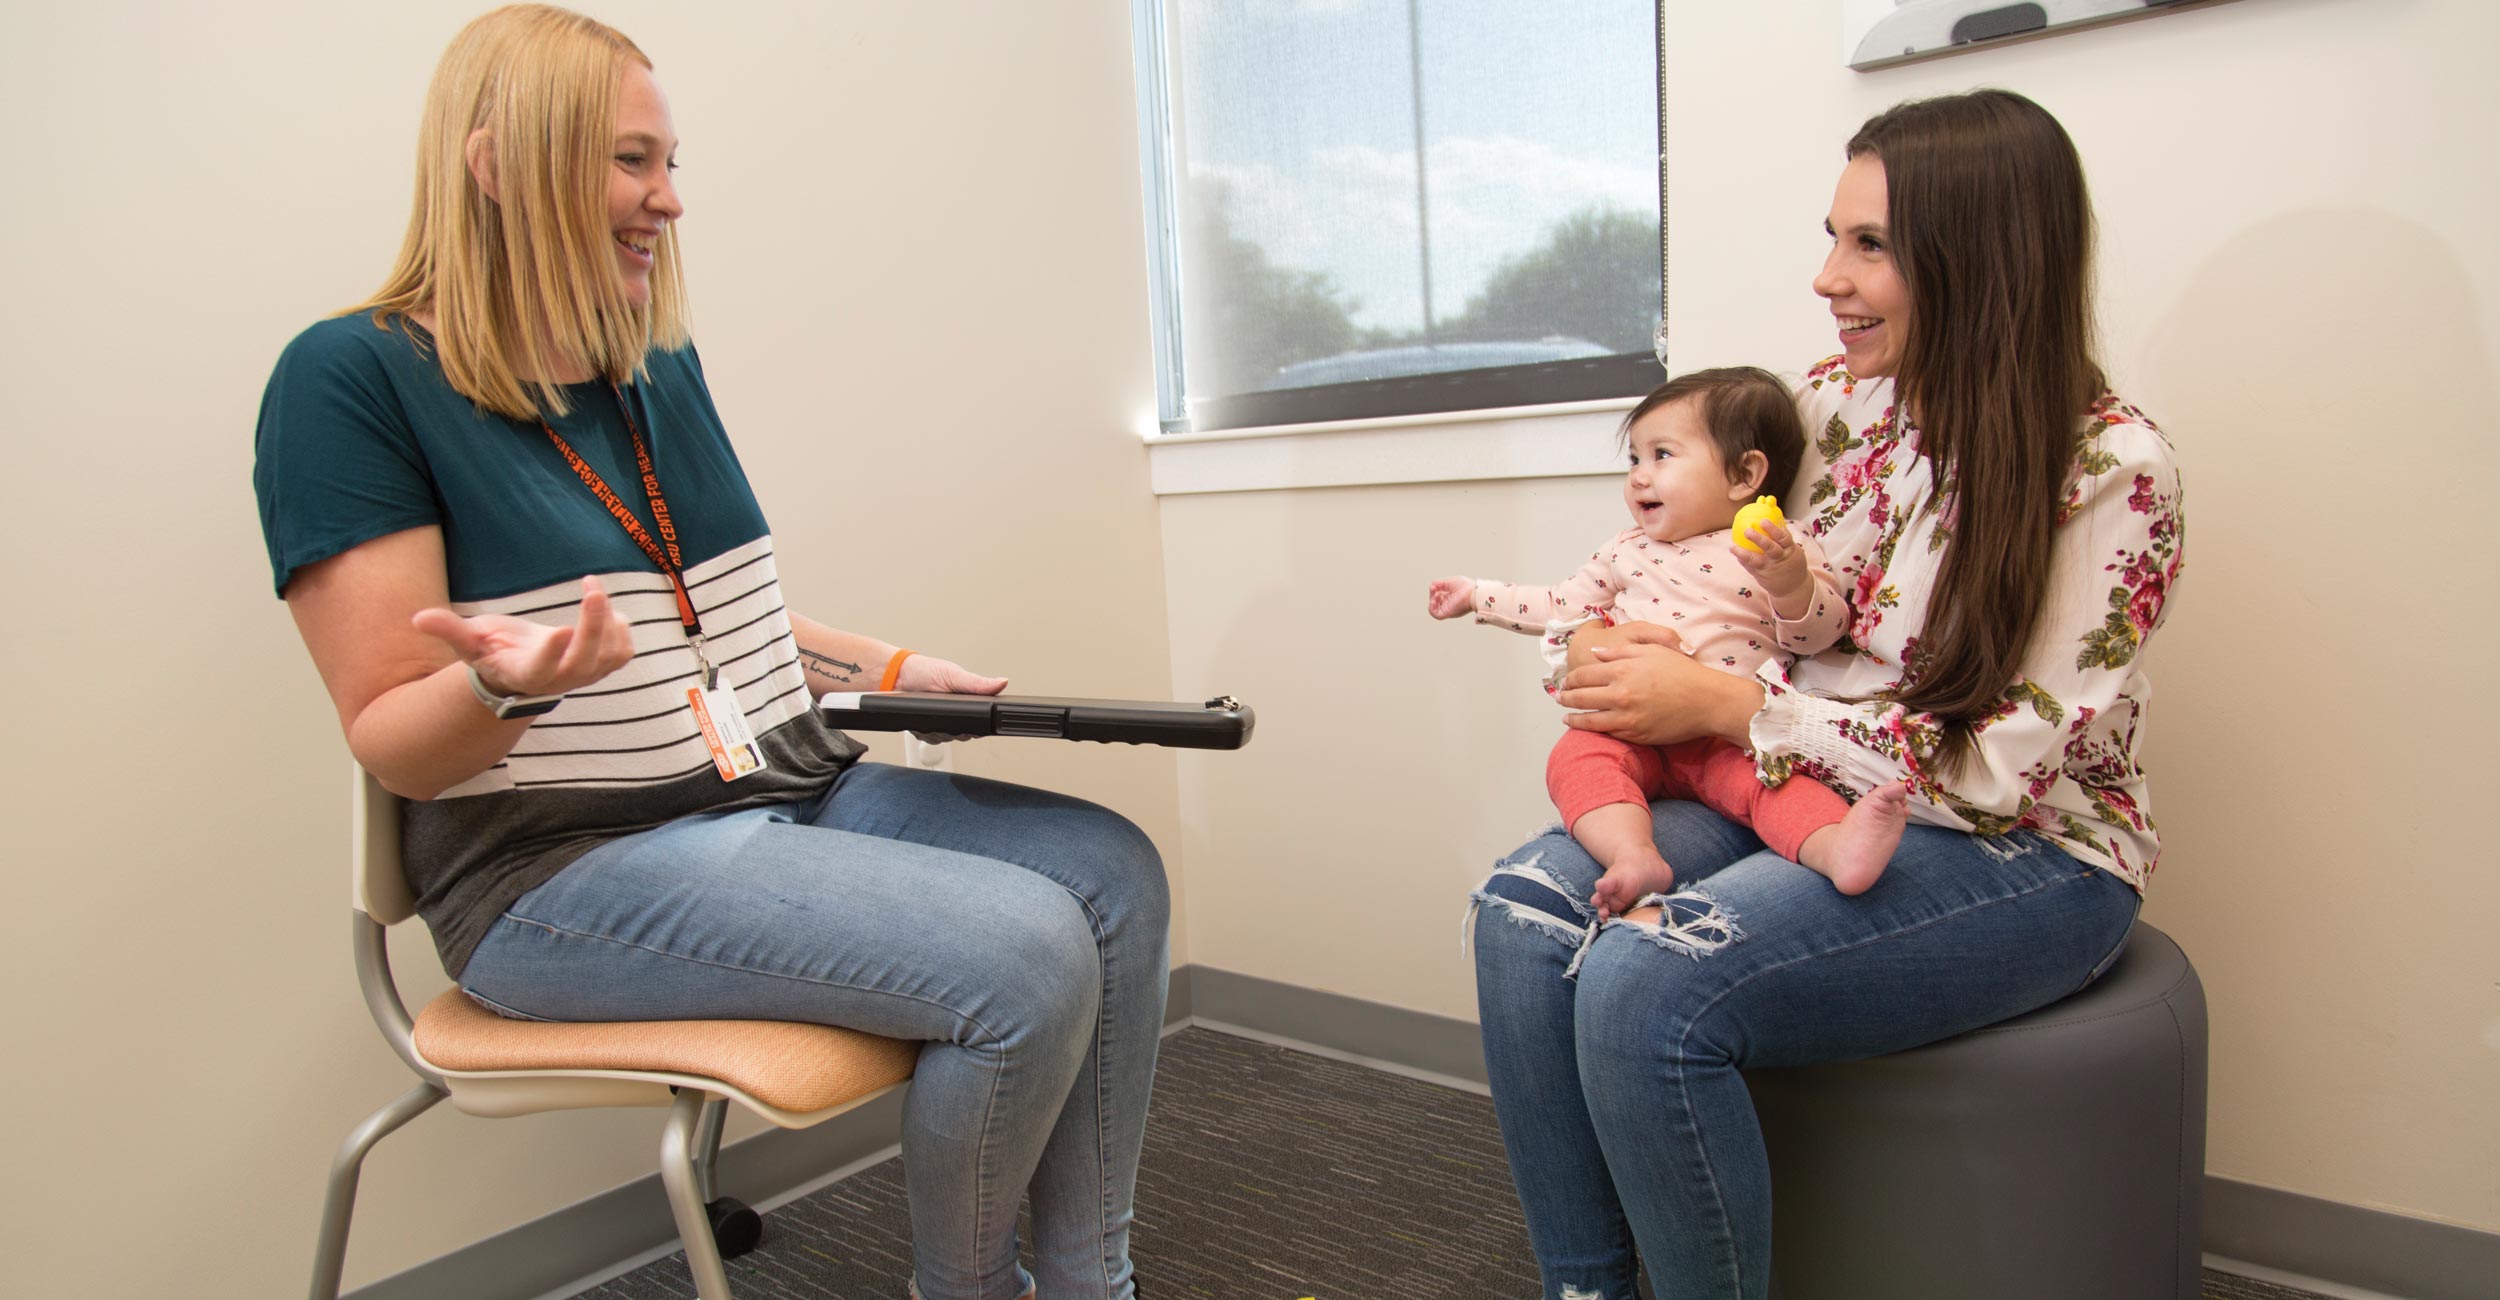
(1765, 510)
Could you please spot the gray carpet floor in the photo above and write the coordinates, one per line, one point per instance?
(1268, 1175)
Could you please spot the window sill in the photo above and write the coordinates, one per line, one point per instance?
(1566, 440)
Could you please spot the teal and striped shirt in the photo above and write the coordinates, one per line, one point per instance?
(361, 436)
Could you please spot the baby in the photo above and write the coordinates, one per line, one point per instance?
(1701, 446)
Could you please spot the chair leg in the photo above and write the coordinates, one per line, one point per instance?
(685, 1204)
(330, 1251)
(707, 1147)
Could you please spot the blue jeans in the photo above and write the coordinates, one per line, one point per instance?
(1021, 935)
(1622, 1109)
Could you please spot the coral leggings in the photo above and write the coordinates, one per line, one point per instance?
(1590, 769)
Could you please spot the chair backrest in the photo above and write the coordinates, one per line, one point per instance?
(375, 881)
(380, 893)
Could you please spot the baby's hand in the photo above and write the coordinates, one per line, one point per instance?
(1451, 597)
(1780, 564)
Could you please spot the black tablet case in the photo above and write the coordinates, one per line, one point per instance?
(1220, 723)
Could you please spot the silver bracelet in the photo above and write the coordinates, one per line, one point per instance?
(510, 706)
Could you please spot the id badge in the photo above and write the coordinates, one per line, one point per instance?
(725, 732)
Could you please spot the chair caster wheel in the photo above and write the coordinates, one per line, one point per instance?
(735, 1228)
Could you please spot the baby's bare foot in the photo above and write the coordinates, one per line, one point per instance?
(1628, 881)
(1856, 851)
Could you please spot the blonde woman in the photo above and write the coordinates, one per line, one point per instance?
(501, 507)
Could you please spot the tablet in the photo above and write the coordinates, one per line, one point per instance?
(1219, 723)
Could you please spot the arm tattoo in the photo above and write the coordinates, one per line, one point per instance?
(829, 667)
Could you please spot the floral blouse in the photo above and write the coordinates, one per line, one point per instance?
(2058, 754)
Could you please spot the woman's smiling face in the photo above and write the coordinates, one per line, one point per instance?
(642, 193)
(1870, 301)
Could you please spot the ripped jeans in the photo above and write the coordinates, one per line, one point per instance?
(1020, 934)
(1615, 1056)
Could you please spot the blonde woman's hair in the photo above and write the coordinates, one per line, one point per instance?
(527, 285)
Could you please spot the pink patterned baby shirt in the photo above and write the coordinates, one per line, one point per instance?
(1695, 586)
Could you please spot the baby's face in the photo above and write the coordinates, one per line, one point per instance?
(1677, 486)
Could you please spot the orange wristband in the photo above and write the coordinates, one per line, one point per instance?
(893, 670)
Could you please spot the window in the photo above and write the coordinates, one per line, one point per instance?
(1382, 207)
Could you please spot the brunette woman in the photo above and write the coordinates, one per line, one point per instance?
(2007, 532)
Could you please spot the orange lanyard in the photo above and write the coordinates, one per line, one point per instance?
(669, 560)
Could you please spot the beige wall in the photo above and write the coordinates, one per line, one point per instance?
(914, 247)
(915, 251)
(2300, 283)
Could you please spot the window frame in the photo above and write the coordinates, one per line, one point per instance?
(1605, 379)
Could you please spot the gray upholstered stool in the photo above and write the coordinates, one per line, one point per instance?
(2059, 1155)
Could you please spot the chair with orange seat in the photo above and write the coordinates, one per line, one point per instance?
(793, 1075)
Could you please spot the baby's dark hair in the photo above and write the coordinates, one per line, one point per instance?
(1746, 408)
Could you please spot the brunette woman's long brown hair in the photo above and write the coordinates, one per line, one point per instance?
(1991, 229)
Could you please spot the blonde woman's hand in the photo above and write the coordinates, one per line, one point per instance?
(926, 673)
(514, 656)
(929, 673)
